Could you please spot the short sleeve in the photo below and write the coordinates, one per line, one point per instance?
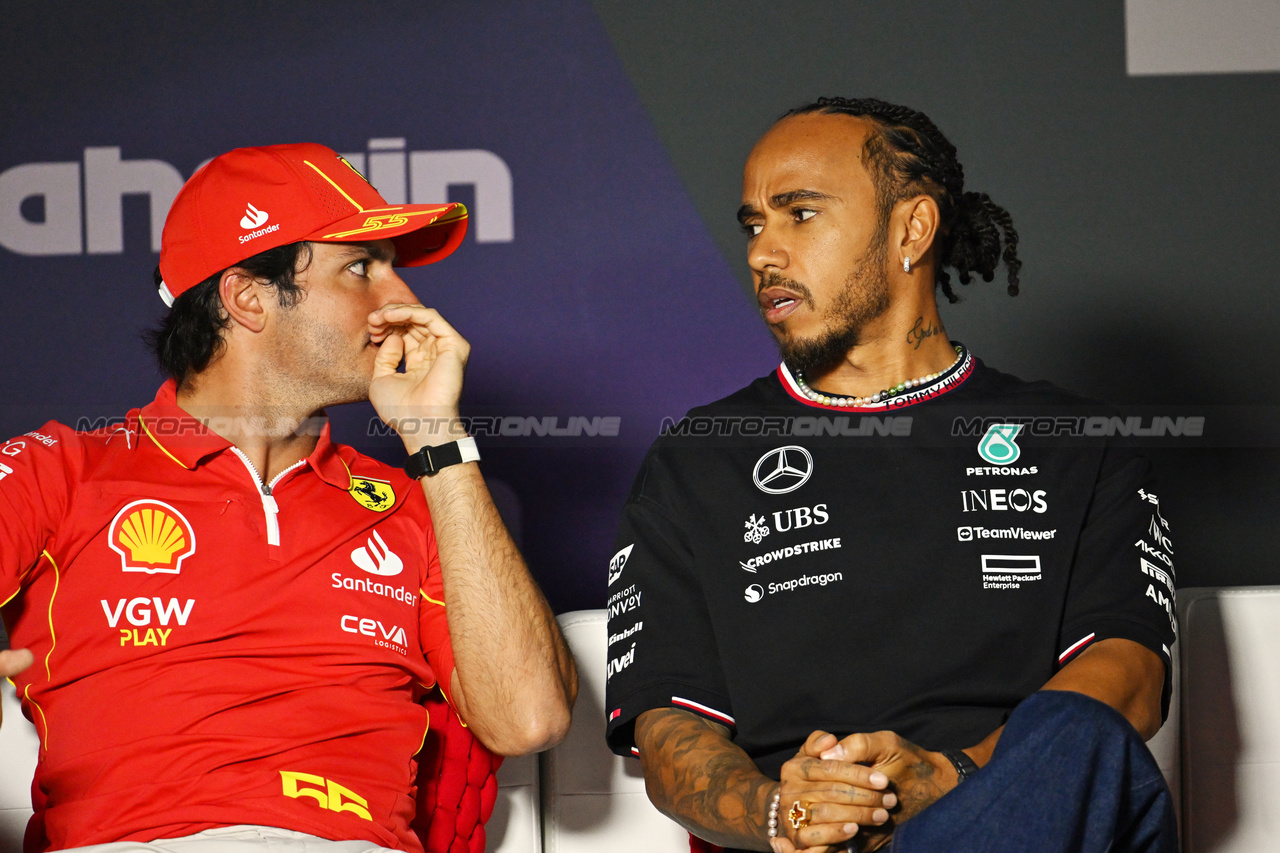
(433, 624)
(1123, 581)
(661, 648)
(34, 489)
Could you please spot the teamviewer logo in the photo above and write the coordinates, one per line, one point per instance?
(964, 534)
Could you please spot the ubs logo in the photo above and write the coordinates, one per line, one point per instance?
(783, 469)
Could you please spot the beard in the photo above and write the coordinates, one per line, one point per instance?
(863, 298)
(315, 363)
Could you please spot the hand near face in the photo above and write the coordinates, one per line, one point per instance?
(14, 661)
(435, 358)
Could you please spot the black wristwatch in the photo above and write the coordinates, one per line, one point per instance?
(964, 764)
(429, 460)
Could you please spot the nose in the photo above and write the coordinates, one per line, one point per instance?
(394, 289)
(765, 251)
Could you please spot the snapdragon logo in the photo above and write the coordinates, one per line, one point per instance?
(756, 592)
(76, 207)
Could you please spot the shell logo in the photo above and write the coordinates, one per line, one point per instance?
(152, 537)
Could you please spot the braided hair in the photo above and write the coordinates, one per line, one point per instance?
(909, 156)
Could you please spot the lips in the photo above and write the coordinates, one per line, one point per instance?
(777, 303)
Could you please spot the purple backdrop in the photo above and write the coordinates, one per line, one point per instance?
(609, 298)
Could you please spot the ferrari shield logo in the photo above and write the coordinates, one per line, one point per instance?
(376, 495)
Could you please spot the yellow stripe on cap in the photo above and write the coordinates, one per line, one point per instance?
(334, 185)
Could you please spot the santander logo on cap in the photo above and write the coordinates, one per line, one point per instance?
(253, 217)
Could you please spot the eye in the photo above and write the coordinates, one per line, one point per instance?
(360, 268)
(752, 230)
(804, 214)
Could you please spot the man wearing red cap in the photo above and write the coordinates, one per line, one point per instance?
(234, 619)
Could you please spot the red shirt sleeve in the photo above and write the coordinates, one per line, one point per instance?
(37, 471)
(433, 624)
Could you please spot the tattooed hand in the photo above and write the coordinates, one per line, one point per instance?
(918, 777)
(840, 796)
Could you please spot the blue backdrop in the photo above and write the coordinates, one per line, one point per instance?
(600, 295)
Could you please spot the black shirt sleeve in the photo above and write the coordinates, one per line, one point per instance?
(662, 649)
(1122, 582)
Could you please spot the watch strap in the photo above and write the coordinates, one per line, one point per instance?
(429, 460)
(963, 764)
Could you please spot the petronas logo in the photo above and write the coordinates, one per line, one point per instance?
(998, 446)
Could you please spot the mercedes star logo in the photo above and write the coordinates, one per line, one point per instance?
(783, 469)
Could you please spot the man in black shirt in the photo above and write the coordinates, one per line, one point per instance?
(888, 542)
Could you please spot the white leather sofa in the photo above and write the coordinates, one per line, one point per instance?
(1220, 749)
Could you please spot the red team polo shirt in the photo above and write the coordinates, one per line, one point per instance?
(207, 654)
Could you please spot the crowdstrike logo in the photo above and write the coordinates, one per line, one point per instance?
(783, 469)
(253, 218)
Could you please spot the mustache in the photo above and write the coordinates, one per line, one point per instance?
(773, 278)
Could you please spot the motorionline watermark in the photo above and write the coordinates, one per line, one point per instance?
(1087, 426)
(803, 426)
(500, 426)
(1127, 426)
(480, 426)
(184, 426)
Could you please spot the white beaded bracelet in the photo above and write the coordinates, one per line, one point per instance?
(773, 813)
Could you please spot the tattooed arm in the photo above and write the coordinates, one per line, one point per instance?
(699, 778)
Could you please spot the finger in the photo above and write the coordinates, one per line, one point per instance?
(865, 747)
(410, 315)
(838, 793)
(808, 769)
(782, 844)
(14, 661)
(823, 813)
(823, 835)
(818, 742)
(388, 357)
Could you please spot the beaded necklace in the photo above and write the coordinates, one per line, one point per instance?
(879, 396)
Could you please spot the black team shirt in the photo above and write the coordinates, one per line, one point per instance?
(920, 566)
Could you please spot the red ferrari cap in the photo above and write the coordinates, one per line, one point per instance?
(253, 199)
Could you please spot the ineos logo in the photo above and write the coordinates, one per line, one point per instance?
(783, 470)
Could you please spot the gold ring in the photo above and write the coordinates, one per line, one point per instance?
(799, 815)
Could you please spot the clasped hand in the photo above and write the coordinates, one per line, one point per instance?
(859, 786)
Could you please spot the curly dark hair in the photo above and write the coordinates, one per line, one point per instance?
(909, 156)
(190, 335)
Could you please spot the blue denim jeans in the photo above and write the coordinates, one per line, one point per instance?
(1069, 775)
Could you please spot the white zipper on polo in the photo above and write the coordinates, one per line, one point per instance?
(270, 509)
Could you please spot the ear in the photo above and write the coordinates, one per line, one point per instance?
(243, 299)
(920, 219)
